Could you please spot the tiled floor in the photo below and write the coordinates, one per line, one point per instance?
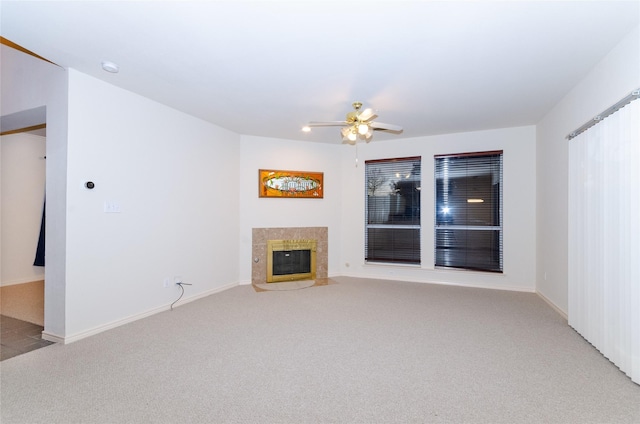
(18, 337)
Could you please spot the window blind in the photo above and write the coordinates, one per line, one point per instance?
(468, 211)
(392, 218)
(603, 242)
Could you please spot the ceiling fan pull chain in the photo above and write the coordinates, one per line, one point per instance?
(356, 155)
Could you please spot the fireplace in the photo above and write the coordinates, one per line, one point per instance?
(291, 260)
(259, 254)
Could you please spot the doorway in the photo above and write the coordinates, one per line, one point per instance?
(22, 178)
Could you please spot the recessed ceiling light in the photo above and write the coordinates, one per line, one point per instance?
(306, 129)
(110, 67)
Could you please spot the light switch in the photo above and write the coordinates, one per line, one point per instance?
(111, 207)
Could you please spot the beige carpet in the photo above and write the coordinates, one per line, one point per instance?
(361, 351)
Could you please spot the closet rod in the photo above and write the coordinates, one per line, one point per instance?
(622, 103)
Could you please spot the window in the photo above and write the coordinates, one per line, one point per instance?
(392, 219)
(468, 215)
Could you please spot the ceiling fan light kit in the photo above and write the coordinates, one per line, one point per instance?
(357, 125)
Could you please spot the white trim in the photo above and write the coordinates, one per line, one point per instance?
(96, 330)
(32, 279)
(52, 337)
(390, 264)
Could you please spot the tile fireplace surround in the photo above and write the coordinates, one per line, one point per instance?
(259, 237)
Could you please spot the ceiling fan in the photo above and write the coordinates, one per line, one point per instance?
(358, 124)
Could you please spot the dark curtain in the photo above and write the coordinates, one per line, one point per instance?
(39, 261)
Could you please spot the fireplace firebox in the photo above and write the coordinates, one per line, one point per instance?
(291, 260)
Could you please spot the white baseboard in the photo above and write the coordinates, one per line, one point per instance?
(553, 305)
(96, 330)
(52, 337)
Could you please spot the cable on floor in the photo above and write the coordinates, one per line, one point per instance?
(181, 294)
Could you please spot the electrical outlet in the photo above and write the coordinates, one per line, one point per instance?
(167, 282)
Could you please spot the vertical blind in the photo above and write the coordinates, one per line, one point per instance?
(604, 237)
(392, 221)
(468, 211)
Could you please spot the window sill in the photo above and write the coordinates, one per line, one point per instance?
(392, 264)
(480, 271)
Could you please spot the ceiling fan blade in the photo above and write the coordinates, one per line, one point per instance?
(357, 125)
(389, 127)
(327, 123)
(367, 114)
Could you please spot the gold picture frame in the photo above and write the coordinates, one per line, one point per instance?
(291, 184)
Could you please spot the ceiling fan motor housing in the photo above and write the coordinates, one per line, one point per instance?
(353, 115)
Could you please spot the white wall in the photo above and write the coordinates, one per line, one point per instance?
(28, 83)
(187, 191)
(268, 153)
(23, 184)
(25, 81)
(519, 189)
(613, 78)
(173, 178)
(342, 209)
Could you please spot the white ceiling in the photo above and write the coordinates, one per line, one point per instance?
(266, 68)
